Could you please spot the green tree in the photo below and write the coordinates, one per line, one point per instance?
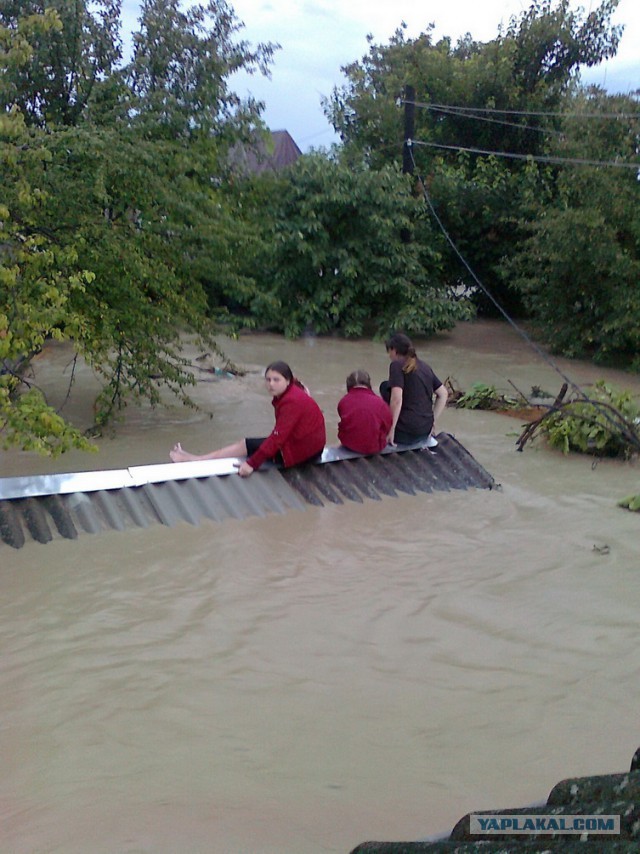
(142, 219)
(579, 266)
(182, 61)
(529, 67)
(341, 252)
(65, 63)
(143, 222)
(503, 96)
(552, 42)
(112, 237)
(38, 281)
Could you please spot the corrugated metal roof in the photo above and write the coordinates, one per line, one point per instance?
(45, 507)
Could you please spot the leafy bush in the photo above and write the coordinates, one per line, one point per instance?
(632, 502)
(345, 248)
(602, 425)
(481, 396)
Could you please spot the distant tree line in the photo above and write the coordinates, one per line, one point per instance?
(124, 223)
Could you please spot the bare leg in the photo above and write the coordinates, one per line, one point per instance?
(237, 449)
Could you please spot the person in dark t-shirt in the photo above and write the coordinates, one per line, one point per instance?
(410, 391)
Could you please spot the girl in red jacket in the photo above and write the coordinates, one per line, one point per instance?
(299, 433)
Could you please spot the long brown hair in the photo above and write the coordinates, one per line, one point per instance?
(284, 370)
(403, 347)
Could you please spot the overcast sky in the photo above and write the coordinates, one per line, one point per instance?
(317, 37)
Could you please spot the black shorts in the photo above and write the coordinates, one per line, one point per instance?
(402, 438)
(254, 444)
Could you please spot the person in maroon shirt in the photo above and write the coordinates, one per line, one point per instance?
(299, 433)
(365, 419)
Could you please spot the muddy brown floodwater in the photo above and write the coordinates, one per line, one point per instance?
(302, 683)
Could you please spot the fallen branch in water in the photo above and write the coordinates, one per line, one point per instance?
(531, 428)
(605, 425)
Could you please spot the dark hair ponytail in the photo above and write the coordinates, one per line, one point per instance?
(403, 346)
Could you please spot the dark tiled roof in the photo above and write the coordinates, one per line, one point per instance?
(271, 156)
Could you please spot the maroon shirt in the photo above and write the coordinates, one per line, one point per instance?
(299, 433)
(365, 421)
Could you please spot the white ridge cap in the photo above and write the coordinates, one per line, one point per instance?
(31, 486)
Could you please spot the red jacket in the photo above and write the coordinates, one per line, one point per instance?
(365, 421)
(299, 433)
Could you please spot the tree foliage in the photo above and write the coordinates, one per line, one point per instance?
(147, 227)
(112, 234)
(551, 42)
(578, 264)
(38, 282)
(63, 52)
(603, 425)
(494, 127)
(182, 61)
(529, 67)
(347, 249)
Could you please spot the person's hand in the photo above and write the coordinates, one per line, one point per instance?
(391, 439)
(245, 470)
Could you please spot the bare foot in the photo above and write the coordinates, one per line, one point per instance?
(177, 455)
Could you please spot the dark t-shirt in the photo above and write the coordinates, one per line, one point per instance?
(418, 387)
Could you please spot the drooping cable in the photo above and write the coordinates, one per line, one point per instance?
(410, 143)
(456, 112)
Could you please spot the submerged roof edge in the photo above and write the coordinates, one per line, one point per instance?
(51, 506)
(65, 483)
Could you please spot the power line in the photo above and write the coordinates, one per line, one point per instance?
(316, 134)
(428, 106)
(538, 157)
(454, 111)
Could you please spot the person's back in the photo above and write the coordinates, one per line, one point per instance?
(416, 416)
(365, 419)
(411, 389)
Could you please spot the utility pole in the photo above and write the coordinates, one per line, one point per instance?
(409, 128)
(407, 155)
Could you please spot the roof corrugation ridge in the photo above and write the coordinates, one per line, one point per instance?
(139, 497)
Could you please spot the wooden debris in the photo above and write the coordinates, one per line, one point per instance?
(533, 426)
